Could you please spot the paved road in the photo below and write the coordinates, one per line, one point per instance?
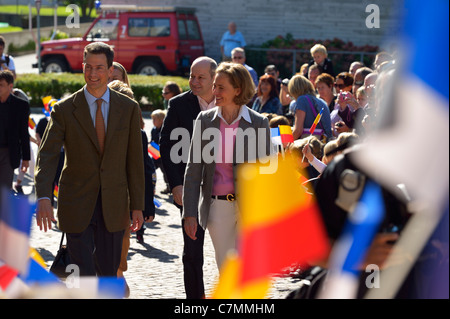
(155, 268)
(23, 63)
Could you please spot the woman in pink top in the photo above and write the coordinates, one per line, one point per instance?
(218, 146)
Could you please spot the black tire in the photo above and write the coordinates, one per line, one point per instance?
(149, 68)
(55, 65)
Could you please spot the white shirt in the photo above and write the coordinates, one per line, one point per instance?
(243, 113)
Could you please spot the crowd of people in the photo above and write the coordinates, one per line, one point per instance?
(107, 180)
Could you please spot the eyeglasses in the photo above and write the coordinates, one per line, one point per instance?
(360, 83)
(340, 86)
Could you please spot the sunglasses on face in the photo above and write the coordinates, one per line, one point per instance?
(340, 86)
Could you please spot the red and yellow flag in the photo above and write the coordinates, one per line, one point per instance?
(286, 134)
(279, 225)
(31, 123)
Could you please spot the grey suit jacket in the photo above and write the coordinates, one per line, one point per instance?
(200, 169)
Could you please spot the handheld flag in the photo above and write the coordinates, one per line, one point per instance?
(153, 149)
(316, 121)
(48, 102)
(15, 224)
(275, 136)
(281, 135)
(286, 134)
(31, 123)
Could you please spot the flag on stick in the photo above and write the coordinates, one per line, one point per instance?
(31, 123)
(316, 121)
(153, 149)
(15, 224)
(281, 135)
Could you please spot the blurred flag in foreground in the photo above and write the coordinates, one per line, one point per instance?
(280, 224)
(15, 224)
(412, 145)
(352, 246)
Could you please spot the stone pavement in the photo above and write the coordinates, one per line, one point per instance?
(155, 269)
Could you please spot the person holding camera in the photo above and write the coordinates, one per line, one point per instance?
(6, 61)
(285, 97)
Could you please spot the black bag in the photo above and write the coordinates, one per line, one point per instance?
(61, 261)
(310, 283)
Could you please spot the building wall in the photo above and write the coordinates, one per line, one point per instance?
(262, 20)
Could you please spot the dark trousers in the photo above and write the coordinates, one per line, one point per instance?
(96, 251)
(6, 170)
(193, 264)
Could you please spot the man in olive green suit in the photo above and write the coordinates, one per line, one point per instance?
(103, 175)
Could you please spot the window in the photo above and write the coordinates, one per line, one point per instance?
(148, 27)
(193, 31)
(104, 30)
(182, 30)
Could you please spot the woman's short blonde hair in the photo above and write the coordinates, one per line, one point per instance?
(299, 85)
(239, 78)
(319, 48)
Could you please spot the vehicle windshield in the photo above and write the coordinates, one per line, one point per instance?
(104, 30)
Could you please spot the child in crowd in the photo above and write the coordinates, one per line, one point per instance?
(158, 119)
(296, 149)
(319, 54)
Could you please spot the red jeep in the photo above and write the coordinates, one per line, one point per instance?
(146, 40)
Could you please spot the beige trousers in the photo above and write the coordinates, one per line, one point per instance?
(221, 226)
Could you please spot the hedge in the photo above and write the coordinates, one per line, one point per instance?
(147, 89)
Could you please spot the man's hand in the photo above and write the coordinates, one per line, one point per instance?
(190, 226)
(137, 219)
(44, 214)
(177, 193)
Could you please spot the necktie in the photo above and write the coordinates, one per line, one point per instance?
(100, 125)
